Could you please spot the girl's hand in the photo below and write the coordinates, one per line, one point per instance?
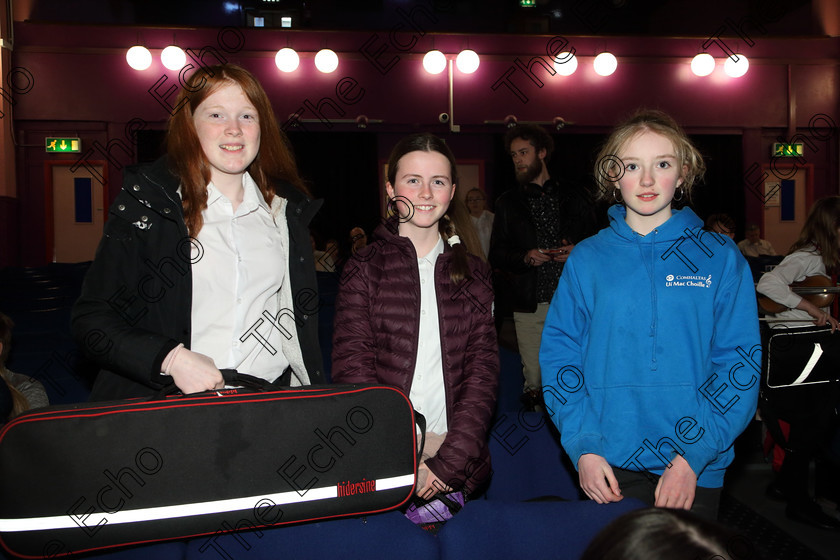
(428, 484)
(597, 479)
(821, 318)
(676, 486)
(193, 372)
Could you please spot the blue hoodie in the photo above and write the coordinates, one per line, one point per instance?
(651, 348)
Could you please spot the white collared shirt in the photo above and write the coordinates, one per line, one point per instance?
(236, 283)
(427, 387)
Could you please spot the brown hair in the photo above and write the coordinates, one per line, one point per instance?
(456, 220)
(535, 134)
(274, 161)
(820, 230)
(608, 166)
(663, 534)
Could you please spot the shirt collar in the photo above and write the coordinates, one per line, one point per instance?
(432, 256)
(251, 200)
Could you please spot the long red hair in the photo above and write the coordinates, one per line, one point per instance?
(274, 161)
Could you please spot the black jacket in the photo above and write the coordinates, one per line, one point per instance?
(136, 299)
(514, 234)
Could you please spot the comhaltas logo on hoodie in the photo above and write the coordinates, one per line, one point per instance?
(691, 280)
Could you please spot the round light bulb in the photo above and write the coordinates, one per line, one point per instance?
(703, 64)
(287, 60)
(565, 63)
(173, 57)
(605, 64)
(139, 57)
(434, 62)
(736, 69)
(467, 61)
(326, 61)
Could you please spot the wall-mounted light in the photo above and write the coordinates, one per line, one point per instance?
(434, 62)
(703, 64)
(467, 61)
(326, 61)
(565, 63)
(138, 57)
(173, 57)
(737, 67)
(605, 64)
(287, 60)
(510, 121)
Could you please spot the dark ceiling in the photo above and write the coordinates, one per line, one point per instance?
(665, 18)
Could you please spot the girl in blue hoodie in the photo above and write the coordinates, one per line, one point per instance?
(650, 352)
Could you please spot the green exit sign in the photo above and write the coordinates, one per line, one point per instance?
(72, 145)
(527, 3)
(787, 150)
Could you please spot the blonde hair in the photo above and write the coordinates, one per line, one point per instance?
(609, 168)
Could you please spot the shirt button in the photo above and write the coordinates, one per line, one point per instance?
(422, 312)
(301, 259)
(239, 300)
(121, 207)
(422, 280)
(136, 187)
(167, 210)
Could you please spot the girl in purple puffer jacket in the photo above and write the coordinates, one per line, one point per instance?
(415, 311)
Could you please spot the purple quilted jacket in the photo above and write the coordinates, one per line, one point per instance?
(375, 341)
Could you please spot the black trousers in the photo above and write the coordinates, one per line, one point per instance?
(642, 485)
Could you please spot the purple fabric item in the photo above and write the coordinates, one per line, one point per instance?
(434, 511)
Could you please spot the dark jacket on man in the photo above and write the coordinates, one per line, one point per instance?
(514, 234)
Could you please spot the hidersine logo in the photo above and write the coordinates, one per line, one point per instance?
(351, 488)
(695, 280)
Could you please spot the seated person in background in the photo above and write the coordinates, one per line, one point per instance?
(27, 393)
(808, 409)
(667, 534)
(721, 223)
(482, 218)
(753, 245)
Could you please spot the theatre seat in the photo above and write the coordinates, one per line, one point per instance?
(527, 459)
(384, 536)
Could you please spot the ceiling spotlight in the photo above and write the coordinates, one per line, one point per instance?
(605, 64)
(510, 121)
(139, 57)
(565, 63)
(736, 68)
(703, 64)
(173, 57)
(287, 60)
(467, 61)
(434, 62)
(326, 61)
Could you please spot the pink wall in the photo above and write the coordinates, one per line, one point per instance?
(84, 87)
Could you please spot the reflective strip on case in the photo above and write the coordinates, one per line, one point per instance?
(189, 510)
